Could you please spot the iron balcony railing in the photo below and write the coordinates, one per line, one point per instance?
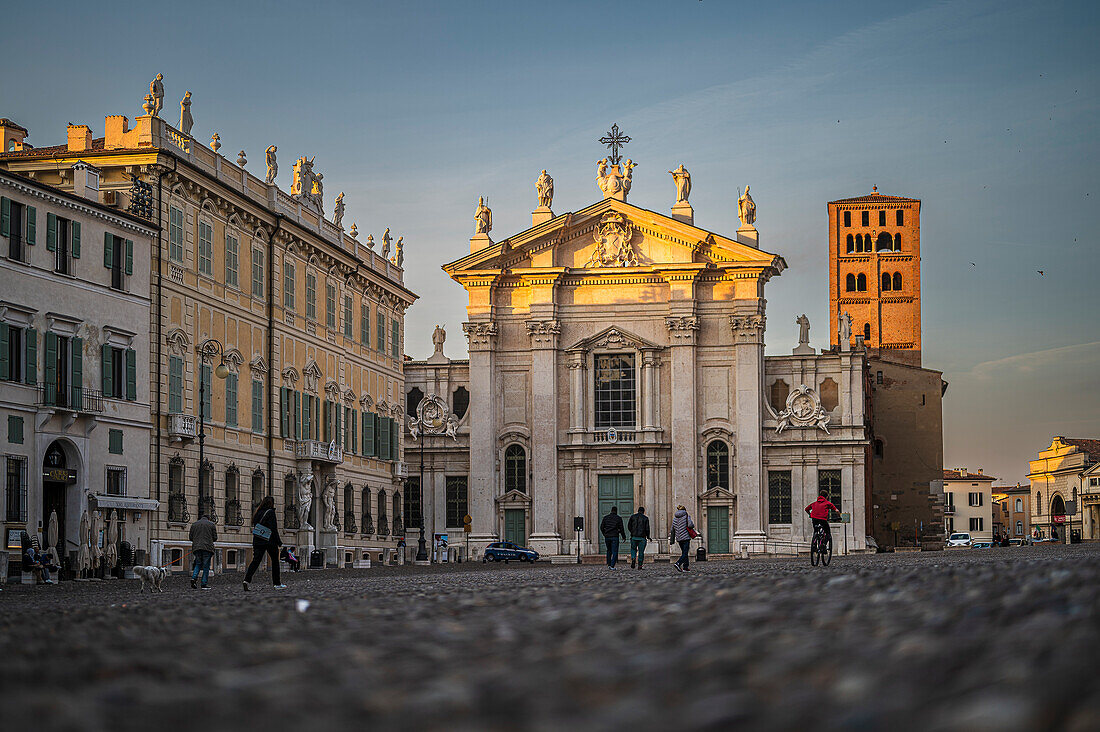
(233, 516)
(84, 401)
(207, 508)
(177, 509)
(349, 523)
(383, 526)
(398, 529)
(368, 524)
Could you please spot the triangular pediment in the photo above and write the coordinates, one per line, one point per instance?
(570, 240)
(717, 493)
(613, 337)
(514, 496)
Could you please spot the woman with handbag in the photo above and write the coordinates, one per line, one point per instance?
(265, 540)
(683, 531)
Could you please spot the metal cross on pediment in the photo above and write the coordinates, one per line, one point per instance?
(614, 139)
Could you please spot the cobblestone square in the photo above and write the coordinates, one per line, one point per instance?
(1000, 639)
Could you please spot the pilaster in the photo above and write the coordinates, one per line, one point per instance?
(545, 537)
(483, 429)
(682, 330)
(748, 347)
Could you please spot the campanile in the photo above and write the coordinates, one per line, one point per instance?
(874, 272)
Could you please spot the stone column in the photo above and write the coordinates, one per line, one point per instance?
(649, 389)
(577, 370)
(483, 431)
(748, 353)
(546, 535)
(681, 331)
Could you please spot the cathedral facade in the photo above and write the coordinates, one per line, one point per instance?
(616, 358)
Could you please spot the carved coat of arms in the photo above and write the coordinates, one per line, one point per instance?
(803, 410)
(433, 417)
(613, 248)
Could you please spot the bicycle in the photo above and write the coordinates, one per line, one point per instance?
(821, 547)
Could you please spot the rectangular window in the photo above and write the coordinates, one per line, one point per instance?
(207, 397)
(364, 323)
(348, 322)
(381, 334)
(457, 500)
(615, 392)
(395, 339)
(59, 240)
(779, 496)
(412, 502)
(882, 218)
(976, 523)
(117, 252)
(114, 377)
(63, 366)
(206, 248)
(116, 481)
(11, 352)
(13, 228)
(829, 480)
(257, 405)
(257, 273)
(948, 500)
(114, 442)
(950, 524)
(231, 400)
(288, 285)
(175, 234)
(865, 218)
(900, 217)
(311, 296)
(16, 490)
(847, 218)
(975, 499)
(232, 260)
(15, 429)
(175, 384)
(330, 306)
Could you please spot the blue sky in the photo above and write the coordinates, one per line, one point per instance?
(984, 110)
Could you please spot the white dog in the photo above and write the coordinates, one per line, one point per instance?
(152, 576)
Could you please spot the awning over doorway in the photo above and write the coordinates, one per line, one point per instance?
(126, 502)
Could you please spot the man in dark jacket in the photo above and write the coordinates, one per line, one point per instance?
(203, 535)
(638, 526)
(612, 528)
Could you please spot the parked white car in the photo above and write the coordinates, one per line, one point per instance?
(959, 539)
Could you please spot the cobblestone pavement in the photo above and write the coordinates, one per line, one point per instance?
(999, 639)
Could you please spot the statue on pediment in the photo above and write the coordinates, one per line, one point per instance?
(386, 239)
(439, 335)
(483, 217)
(746, 208)
(844, 329)
(683, 183)
(613, 182)
(803, 329)
(399, 255)
(302, 185)
(338, 209)
(545, 187)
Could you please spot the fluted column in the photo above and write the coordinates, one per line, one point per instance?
(483, 431)
(546, 537)
(748, 352)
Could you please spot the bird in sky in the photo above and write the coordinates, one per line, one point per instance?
(973, 265)
(1040, 273)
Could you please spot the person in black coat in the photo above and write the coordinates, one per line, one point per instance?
(265, 540)
(612, 528)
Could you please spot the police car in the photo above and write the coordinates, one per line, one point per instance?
(503, 551)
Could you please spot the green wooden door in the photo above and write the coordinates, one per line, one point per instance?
(614, 490)
(515, 526)
(718, 530)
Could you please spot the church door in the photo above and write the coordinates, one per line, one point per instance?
(618, 491)
(718, 529)
(515, 529)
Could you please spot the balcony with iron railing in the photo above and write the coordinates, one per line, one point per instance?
(207, 508)
(233, 515)
(398, 526)
(183, 427)
(368, 524)
(383, 526)
(948, 510)
(84, 401)
(349, 523)
(177, 509)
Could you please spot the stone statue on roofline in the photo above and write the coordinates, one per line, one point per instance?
(338, 209)
(186, 121)
(483, 217)
(272, 164)
(746, 208)
(399, 256)
(682, 179)
(545, 187)
(844, 330)
(156, 88)
(386, 239)
(439, 336)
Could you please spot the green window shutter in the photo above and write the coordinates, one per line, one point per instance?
(337, 417)
(5, 215)
(76, 239)
(51, 231)
(364, 450)
(32, 224)
(114, 442)
(131, 375)
(394, 440)
(175, 384)
(384, 451)
(364, 325)
(326, 409)
(108, 249)
(395, 342)
(78, 373)
(381, 334)
(5, 367)
(257, 404)
(307, 416)
(376, 428)
(284, 418)
(15, 429)
(316, 418)
(30, 373)
(129, 256)
(354, 431)
(231, 400)
(108, 372)
(51, 368)
(297, 415)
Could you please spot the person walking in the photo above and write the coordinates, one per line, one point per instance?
(265, 540)
(638, 526)
(203, 534)
(683, 531)
(612, 528)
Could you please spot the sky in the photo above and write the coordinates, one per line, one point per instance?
(986, 111)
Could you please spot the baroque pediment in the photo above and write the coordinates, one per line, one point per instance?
(614, 338)
(611, 234)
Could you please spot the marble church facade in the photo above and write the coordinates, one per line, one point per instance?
(616, 357)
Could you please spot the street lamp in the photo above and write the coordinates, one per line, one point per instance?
(207, 350)
(432, 418)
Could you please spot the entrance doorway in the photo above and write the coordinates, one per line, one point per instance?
(515, 526)
(718, 529)
(55, 477)
(613, 490)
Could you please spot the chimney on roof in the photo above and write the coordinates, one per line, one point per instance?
(80, 138)
(86, 181)
(979, 471)
(12, 134)
(114, 127)
(962, 471)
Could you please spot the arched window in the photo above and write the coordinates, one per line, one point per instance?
(257, 489)
(897, 280)
(897, 241)
(1057, 506)
(1038, 503)
(349, 509)
(290, 502)
(882, 218)
(780, 390)
(515, 469)
(859, 242)
(368, 519)
(383, 522)
(885, 281)
(847, 218)
(866, 332)
(232, 497)
(884, 243)
(1019, 528)
(412, 400)
(460, 402)
(397, 524)
(718, 465)
(850, 283)
(1019, 505)
(206, 492)
(861, 283)
(851, 244)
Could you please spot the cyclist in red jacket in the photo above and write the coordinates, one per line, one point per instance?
(819, 513)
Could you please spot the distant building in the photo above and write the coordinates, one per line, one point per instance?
(1014, 503)
(968, 503)
(1061, 477)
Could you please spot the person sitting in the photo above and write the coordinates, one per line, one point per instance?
(291, 560)
(32, 561)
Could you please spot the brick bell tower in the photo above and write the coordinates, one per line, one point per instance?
(874, 273)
